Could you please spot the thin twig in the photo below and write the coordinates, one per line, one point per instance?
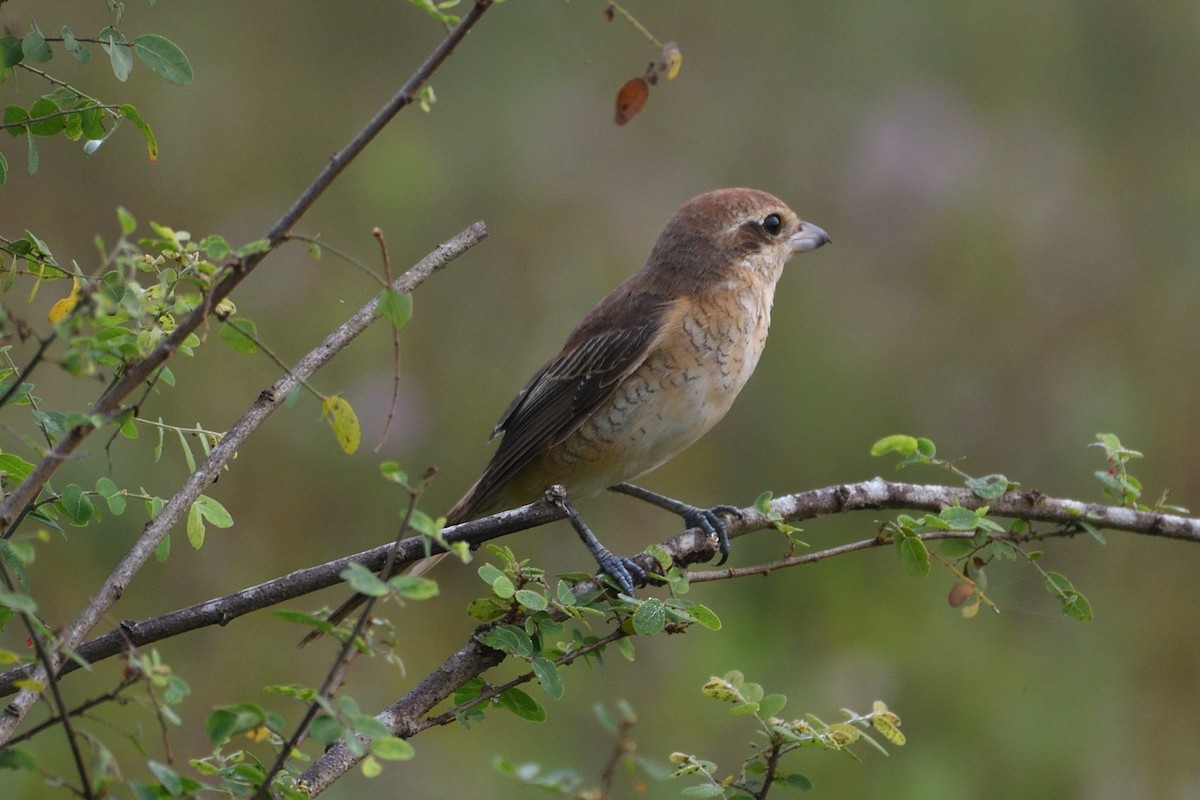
(391, 415)
(87, 705)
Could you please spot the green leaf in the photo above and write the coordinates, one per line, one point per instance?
(897, 443)
(624, 646)
(392, 748)
(14, 118)
(14, 468)
(195, 528)
(1074, 604)
(414, 587)
(503, 587)
(705, 616)
(1077, 607)
(508, 639)
(771, 705)
(213, 512)
(111, 493)
(989, 487)
(368, 726)
(130, 113)
(490, 573)
(798, 782)
(31, 153)
(220, 726)
(956, 548)
(468, 691)
(396, 308)
(16, 758)
(3, 169)
(530, 599)
(486, 609)
(240, 334)
(114, 43)
(76, 505)
(168, 777)
(49, 126)
(1093, 531)
(18, 602)
(163, 57)
(129, 224)
(92, 122)
(76, 48)
(649, 617)
(521, 704)
(10, 52)
(913, 554)
(205, 509)
(35, 48)
(215, 247)
(363, 580)
(257, 246)
(325, 729)
(548, 677)
(959, 518)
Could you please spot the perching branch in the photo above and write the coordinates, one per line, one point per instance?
(408, 715)
(688, 548)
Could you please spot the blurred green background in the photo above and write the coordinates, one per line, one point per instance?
(1011, 189)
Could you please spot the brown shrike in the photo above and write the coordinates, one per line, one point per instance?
(648, 371)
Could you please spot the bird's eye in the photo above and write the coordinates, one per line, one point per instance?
(772, 224)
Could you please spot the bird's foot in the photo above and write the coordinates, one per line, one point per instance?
(624, 571)
(706, 519)
(710, 521)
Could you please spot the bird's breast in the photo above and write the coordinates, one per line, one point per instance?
(708, 349)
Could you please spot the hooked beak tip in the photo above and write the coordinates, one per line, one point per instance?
(809, 237)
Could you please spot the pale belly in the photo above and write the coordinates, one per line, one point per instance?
(678, 394)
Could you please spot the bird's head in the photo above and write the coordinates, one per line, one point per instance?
(717, 234)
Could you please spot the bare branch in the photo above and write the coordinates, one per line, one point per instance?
(687, 548)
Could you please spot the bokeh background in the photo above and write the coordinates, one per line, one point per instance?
(1012, 193)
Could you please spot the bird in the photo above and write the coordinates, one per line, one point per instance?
(648, 371)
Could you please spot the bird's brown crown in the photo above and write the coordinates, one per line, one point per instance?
(716, 232)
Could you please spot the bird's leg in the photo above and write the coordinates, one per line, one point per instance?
(623, 570)
(706, 519)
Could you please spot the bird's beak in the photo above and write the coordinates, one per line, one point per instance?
(809, 237)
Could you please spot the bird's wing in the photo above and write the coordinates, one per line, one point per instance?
(606, 347)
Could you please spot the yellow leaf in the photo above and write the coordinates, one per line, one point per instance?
(889, 725)
(259, 734)
(344, 421)
(672, 59)
(60, 310)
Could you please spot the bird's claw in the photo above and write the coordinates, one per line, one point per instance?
(709, 520)
(624, 571)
